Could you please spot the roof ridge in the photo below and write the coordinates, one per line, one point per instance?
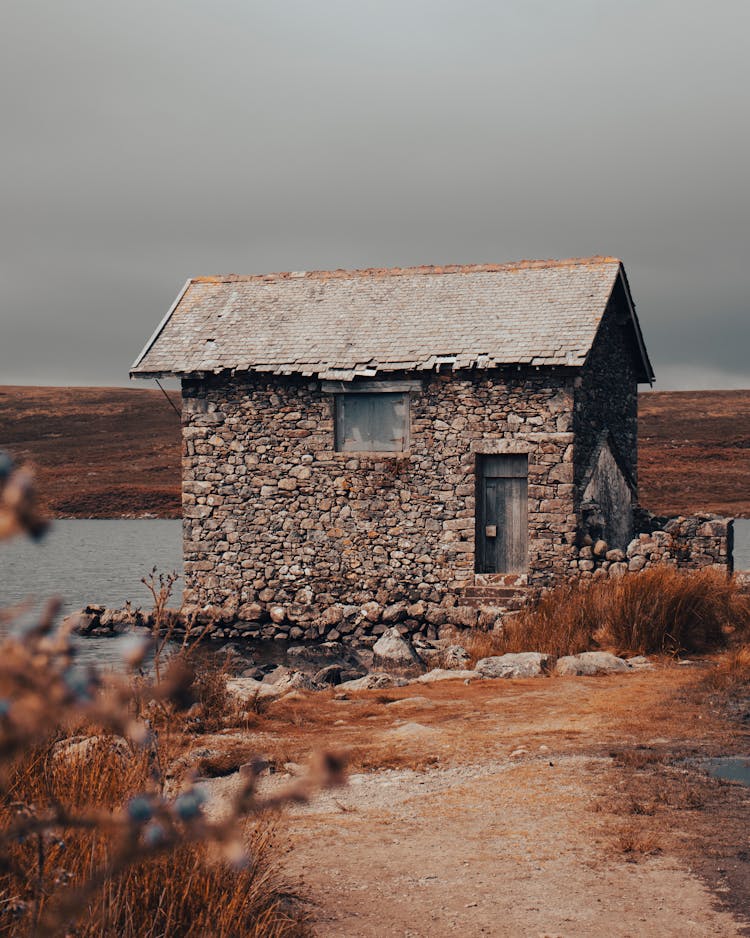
(424, 269)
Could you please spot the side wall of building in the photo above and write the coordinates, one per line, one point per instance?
(606, 418)
(273, 515)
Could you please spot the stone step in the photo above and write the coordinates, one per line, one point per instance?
(505, 598)
(492, 592)
(507, 605)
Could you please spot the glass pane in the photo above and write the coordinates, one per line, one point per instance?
(371, 422)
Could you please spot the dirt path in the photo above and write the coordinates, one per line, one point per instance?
(598, 828)
(500, 849)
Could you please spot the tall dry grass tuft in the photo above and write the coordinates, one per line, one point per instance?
(182, 892)
(732, 673)
(659, 610)
(668, 611)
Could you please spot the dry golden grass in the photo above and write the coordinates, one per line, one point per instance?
(732, 672)
(181, 893)
(667, 611)
(661, 610)
(637, 840)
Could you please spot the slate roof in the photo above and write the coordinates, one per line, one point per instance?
(346, 324)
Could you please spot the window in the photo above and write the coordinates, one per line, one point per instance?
(367, 422)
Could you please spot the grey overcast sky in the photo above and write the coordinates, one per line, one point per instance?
(150, 140)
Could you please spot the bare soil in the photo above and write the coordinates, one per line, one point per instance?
(551, 807)
(115, 452)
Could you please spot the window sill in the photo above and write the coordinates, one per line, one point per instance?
(370, 454)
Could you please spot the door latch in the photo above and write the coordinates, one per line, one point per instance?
(490, 530)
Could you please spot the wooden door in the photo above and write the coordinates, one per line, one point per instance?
(502, 514)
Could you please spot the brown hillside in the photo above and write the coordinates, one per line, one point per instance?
(110, 452)
(695, 452)
(100, 452)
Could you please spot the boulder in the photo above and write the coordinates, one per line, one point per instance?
(373, 681)
(395, 653)
(321, 652)
(591, 662)
(250, 612)
(443, 674)
(337, 674)
(246, 690)
(372, 611)
(523, 664)
(456, 656)
(463, 616)
(429, 653)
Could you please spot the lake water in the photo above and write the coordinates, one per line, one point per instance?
(741, 551)
(91, 562)
(732, 768)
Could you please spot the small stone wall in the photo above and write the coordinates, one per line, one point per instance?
(687, 543)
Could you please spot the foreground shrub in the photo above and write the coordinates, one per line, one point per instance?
(183, 891)
(660, 610)
(91, 841)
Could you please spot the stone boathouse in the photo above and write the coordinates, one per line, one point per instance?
(414, 436)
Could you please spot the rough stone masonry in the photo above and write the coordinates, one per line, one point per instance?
(538, 361)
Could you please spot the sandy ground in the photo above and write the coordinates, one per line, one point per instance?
(494, 849)
(694, 449)
(602, 825)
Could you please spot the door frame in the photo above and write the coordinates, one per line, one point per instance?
(507, 466)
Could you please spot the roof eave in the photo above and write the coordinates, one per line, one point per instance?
(134, 372)
(647, 374)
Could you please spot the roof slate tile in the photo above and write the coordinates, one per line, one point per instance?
(323, 322)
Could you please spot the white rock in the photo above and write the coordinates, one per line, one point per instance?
(373, 681)
(247, 689)
(641, 662)
(392, 651)
(591, 662)
(524, 664)
(412, 731)
(456, 656)
(444, 674)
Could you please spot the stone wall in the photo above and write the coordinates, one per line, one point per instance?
(686, 543)
(276, 521)
(606, 427)
(606, 395)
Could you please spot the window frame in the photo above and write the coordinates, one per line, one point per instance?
(341, 389)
